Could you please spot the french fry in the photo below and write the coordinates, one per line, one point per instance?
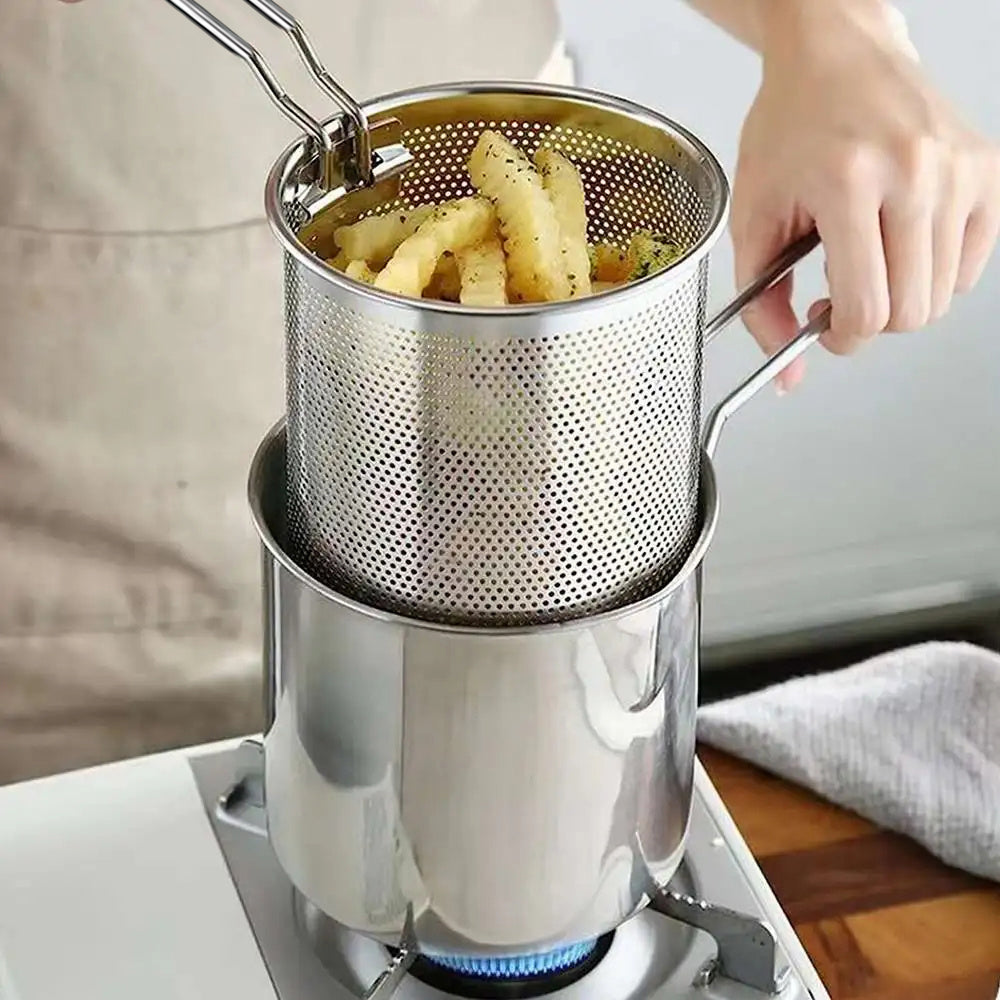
(449, 228)
(648, 254)
(376, 238)
(608, 263)
(521, 238)
(483, 272)
(528, 223)
(562, 182)
(360, 271)
(445, 283)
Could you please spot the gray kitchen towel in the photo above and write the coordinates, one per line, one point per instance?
(909, 739)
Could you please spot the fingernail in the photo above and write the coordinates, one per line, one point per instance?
(780, 389)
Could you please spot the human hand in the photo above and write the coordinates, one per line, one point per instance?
(847, 135)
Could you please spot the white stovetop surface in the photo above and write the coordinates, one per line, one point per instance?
(97, 864)
(113, 887)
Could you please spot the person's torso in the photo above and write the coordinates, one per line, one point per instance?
(141, 331)
(126, 117)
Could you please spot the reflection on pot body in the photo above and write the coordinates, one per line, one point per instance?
(518, 788)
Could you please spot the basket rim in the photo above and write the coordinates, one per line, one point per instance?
(291, 158)
(271, 452)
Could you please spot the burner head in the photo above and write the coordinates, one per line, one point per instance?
(513, 977)
(516, 966)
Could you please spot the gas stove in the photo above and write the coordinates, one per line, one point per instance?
(151, 879)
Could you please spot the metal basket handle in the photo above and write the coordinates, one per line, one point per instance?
(807, 336)
(362, 159)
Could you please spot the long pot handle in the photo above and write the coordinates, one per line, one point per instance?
(807, 336)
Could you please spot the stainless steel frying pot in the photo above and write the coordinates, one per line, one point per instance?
(511, 789)
(481, 790)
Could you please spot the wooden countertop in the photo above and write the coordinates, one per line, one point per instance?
(880, 918)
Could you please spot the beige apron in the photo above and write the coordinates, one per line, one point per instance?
(141, 344)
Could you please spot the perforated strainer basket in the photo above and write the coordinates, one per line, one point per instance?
(510, 466)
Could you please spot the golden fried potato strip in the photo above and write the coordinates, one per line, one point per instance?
(528, 222)
(483, 272)
(649, 254)
(450, 228)
(376, 238)
(561, 180)
(608, 263)
(360, 271)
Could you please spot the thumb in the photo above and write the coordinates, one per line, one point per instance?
(770, 318)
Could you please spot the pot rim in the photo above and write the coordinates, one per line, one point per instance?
(259, 478)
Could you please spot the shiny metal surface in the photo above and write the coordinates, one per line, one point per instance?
(746, 390)
(496, 780)
(501, 466)
(387, 981)
(779, 268)
(360, 157)
(748, 951)
(808, 335)
(747, 948)
(652, 957)
(509, 466)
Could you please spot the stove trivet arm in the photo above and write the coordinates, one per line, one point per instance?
(242, 805)
(748, 949)
(389, 979)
